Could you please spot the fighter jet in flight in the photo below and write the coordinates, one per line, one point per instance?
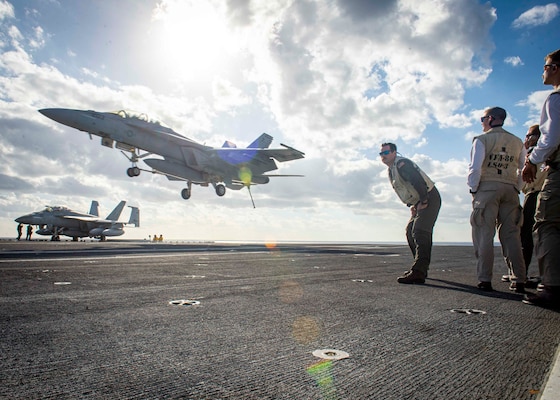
(60, 220)
(182, 158)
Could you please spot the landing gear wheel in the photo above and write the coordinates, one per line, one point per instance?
(133, 171)
(220, 190)
(186, 194)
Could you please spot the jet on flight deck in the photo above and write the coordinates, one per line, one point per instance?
(60, 220)
(183, 159)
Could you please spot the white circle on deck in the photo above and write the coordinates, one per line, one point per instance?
(331, 354)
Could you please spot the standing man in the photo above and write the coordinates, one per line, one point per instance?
(19, 230)
(531, 192)
(418, 192)
(29, 232)
(547, 217)
(494, 180)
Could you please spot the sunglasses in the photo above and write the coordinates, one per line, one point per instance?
(483, 118)
(546, 66)
(384, 153)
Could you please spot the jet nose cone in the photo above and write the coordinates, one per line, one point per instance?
(31, 219)
(24, 219)
(60, 115)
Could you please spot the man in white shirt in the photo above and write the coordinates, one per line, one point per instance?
(547, 217)
(494, 179)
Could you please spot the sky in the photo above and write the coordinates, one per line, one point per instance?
(332, 78)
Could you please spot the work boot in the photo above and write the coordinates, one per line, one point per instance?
(412, 276)
(532, 282)
(543, 299)
(517, 287)
(486, 286)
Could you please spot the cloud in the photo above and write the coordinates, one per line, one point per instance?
(333, 79)
(536, 16)
(514, 61)
(14, 184)
(6, 10)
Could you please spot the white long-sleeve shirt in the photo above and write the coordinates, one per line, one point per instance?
(550, 129)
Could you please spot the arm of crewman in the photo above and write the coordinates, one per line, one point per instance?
(521, 163)
(549, 140)
(410, 174)
(478, 152)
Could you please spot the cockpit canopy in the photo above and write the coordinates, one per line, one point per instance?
(56, 208)
(139, 116)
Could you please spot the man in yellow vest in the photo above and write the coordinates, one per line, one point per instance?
(494, 179)
(547, 217)
(417, 191)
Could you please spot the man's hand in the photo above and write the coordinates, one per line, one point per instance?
(417, 207)
(529, 173)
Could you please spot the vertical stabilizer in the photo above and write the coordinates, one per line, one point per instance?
(116, 213)
(262, 142)
(229, 145)
(134, 217)
(94, 209)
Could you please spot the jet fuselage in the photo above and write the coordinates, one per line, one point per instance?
(183, 158)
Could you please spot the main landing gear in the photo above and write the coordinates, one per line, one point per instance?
(186, 192)
(133, 171)
(220, 189)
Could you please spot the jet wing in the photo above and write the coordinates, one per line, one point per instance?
(246, 155)
(89, 219)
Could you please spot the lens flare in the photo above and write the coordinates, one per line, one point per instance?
(290, 292)
(305, 330)
(321, 371)
(245, 175)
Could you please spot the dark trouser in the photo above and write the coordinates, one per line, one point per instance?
(547, 230)
(529, 208)
(419, 232)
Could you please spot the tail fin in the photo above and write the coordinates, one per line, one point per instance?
(134, 216)
(116, 213)
(94, 209)
(229, 145)
(262, 142)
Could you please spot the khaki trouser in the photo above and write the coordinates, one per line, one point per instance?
(547, 230)
(497, 204)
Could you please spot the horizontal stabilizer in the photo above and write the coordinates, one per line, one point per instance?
(281, 155)
(284, 176)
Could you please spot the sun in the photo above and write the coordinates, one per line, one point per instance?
(193, 37)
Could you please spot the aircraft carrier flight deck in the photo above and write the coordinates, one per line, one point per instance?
(135, 319)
